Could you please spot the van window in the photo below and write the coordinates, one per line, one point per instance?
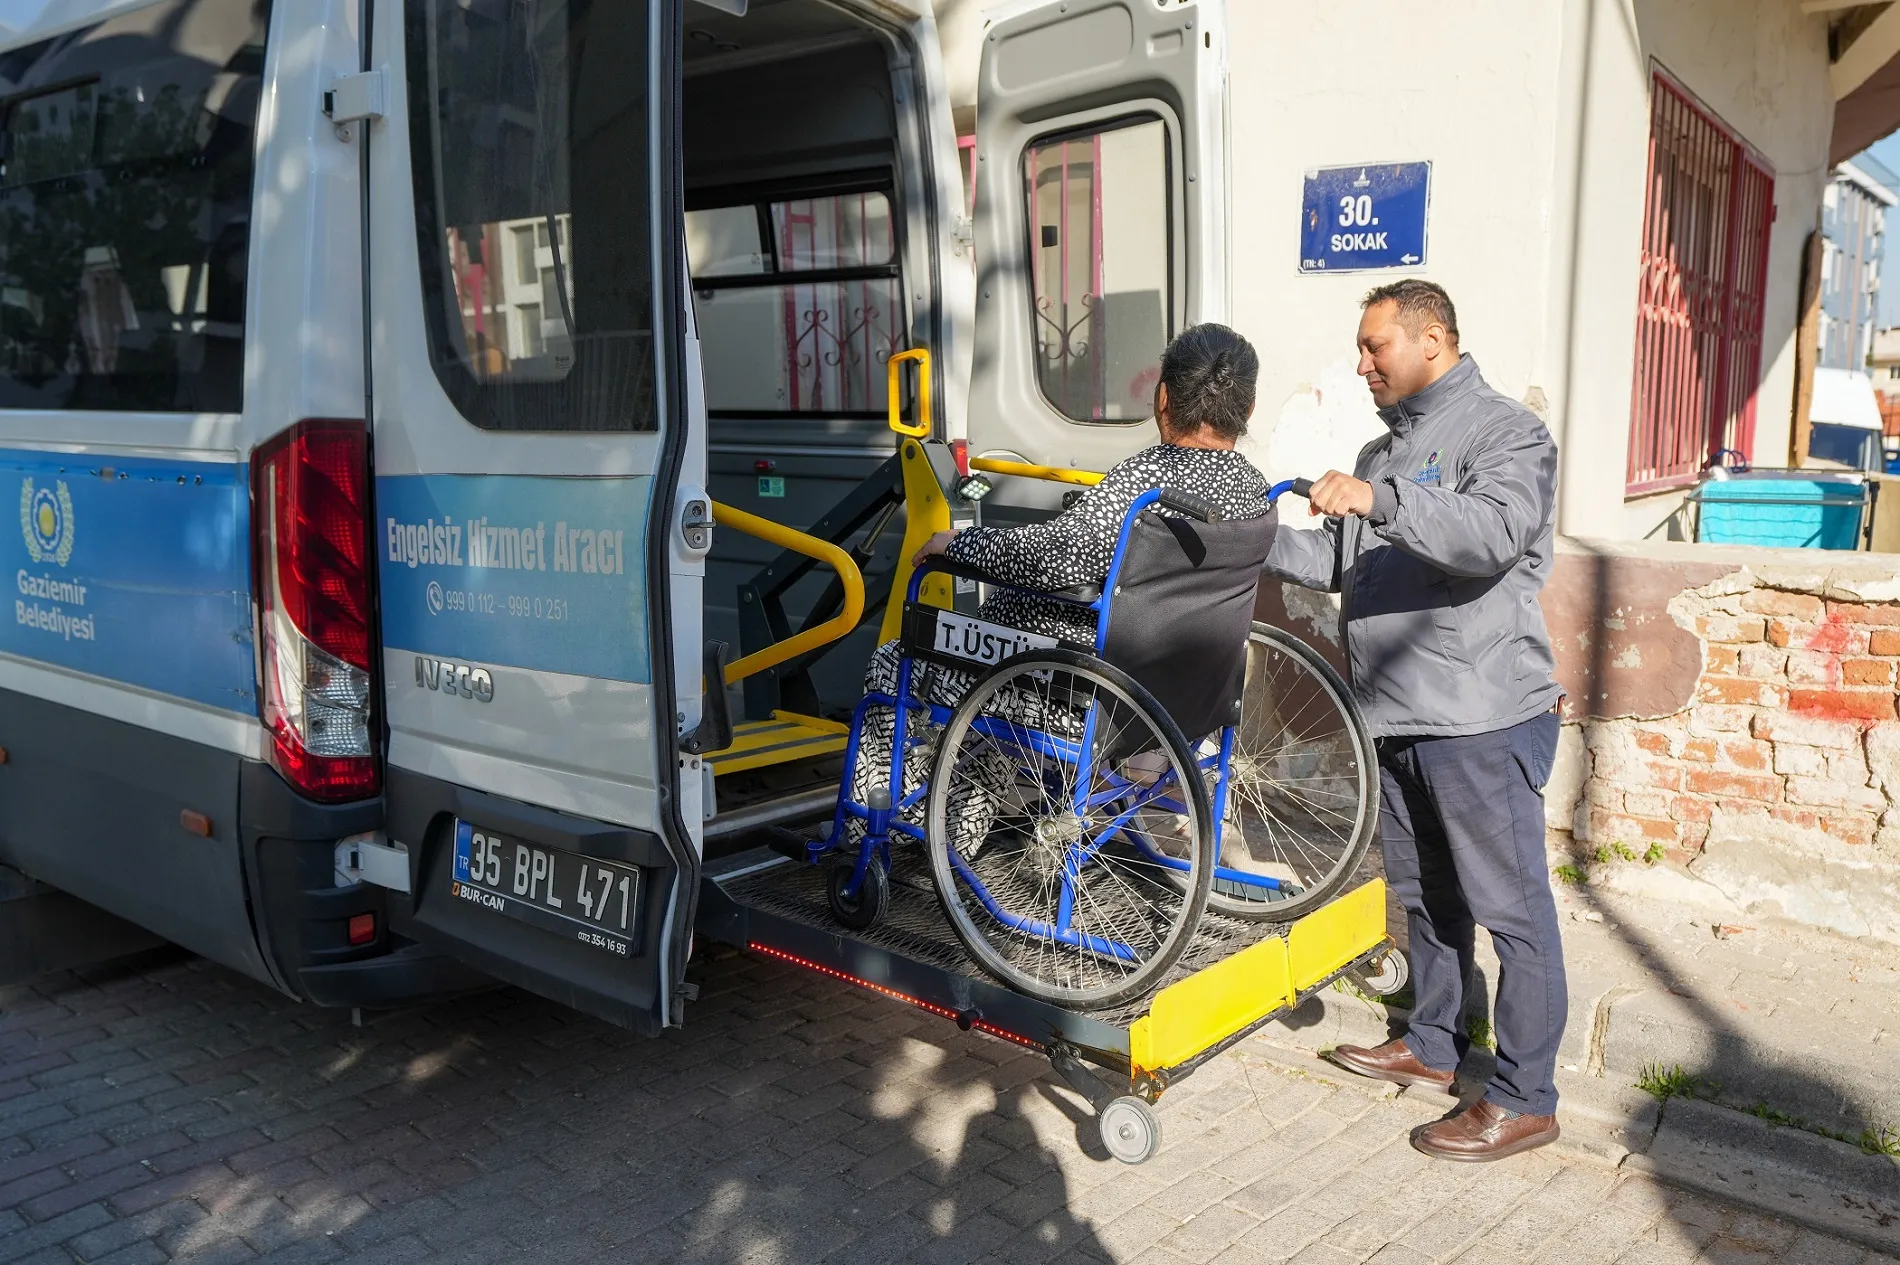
(529, 143)
(798, 303)
(1100, 259)
(125, 205)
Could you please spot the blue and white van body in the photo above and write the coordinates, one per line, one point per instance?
(368, 367)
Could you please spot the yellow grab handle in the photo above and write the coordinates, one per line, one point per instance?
(1054, 474)
(832, 629)
(926, 513)
(921, 429)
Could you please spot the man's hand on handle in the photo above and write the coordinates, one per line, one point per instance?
(1336, 495)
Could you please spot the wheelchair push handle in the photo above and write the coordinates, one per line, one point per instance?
(1298, 487)
(1196, 507)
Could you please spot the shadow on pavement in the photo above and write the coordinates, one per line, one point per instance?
(794, 1119)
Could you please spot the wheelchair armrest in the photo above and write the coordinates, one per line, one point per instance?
(1080, 595)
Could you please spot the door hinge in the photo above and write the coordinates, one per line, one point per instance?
(962, 235)
(355, 96)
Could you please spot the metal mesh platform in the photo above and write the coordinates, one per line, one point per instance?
(915, 928)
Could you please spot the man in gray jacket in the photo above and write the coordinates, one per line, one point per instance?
(1438, 543)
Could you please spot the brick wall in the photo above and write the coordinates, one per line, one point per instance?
(1734, 724)
(1792, 713)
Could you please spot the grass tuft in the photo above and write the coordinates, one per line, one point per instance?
(1879, 1140)
(1666, 1083)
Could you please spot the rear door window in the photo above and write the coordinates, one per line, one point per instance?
(1100, 257)
(529, 142)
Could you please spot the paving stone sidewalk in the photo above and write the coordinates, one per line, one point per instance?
(1754, 1011)
(169, 1110)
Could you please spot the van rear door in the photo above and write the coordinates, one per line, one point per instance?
(1101, 212)
(526, 351)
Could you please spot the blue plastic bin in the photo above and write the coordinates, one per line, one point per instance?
(1789, 512)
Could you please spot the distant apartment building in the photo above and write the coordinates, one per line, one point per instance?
(1884, 367)
(1853, 230)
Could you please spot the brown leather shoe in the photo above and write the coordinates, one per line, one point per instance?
(1484, 1131)
(1395, 1062)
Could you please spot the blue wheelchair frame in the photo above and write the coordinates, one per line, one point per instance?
(881, 815)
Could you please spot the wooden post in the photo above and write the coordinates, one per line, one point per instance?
(1807, 349)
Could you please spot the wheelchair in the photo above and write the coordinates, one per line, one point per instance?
(1083, 807)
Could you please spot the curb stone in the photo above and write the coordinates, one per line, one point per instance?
(1789, 1173)
(1817, 1182)
(1794, 1066)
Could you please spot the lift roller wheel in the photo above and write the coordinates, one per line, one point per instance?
(1385, 974)
(1130, 1129)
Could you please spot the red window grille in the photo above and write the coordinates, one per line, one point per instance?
(1706, 218)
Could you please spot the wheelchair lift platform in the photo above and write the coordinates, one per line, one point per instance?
(1234, 977)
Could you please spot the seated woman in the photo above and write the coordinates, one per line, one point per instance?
(1202, 403)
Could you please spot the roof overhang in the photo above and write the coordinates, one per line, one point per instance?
(1864, 44)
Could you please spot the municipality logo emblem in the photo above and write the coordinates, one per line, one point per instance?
(46, 521)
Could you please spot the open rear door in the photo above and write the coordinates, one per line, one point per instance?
(527, 353)
(1101, 211)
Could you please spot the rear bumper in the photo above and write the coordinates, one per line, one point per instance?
(303, 916)
(409, 974)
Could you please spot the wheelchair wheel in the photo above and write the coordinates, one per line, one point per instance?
(1303, 795)
(1043, 871)
(867, 908)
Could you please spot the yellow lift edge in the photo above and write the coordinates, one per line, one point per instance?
(1188, 1018)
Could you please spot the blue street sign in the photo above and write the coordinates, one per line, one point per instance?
(1353, 219)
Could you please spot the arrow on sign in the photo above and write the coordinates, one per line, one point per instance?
(1408, 259)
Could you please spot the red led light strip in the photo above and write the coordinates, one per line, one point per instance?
(977, 1024)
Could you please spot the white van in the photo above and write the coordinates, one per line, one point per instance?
(368, 367)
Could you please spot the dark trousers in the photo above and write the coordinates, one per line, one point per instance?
(1462, 822)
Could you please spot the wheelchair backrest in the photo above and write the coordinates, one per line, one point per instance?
(1178, 616)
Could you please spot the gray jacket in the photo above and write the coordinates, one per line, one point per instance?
(1439, 611)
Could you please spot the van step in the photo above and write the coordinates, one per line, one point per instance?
(799, 806)
(786, 737)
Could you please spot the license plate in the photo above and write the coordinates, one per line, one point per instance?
(583, 898)
(979, 641)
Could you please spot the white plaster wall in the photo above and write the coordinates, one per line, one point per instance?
(960, 31)
(1469, 87)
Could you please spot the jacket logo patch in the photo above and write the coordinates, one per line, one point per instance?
(1429, 472)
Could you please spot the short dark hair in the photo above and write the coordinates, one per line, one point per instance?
(1210, 372)
(1420, 304)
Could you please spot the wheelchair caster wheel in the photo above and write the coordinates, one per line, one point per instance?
(1130, 1130)
(873, 898)
(1386, 974)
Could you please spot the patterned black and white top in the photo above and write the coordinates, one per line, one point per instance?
(1075, 547)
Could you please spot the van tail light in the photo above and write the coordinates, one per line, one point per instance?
(311, 498)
